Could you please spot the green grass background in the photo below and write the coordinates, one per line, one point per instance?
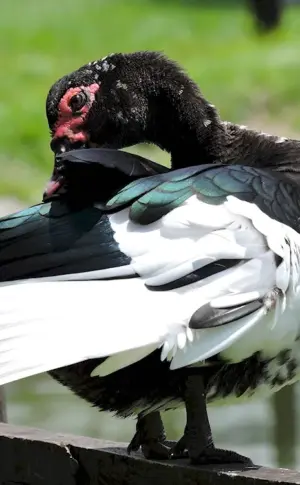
(251, 79)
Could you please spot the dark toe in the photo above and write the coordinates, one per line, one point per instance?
(222, 457)
(179, 450)
(134, 444)
(155, 450)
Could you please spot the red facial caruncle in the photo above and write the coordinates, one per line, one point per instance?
(69, 123)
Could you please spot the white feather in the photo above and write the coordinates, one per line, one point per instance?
(197, 233)
(119, 271)
(214, 340)
(237, 299)
(163, 252)
(46, 325)
(121, 360)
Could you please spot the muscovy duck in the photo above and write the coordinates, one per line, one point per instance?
(125, 99)
(205, 265)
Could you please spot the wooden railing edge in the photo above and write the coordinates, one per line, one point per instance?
(34, 457)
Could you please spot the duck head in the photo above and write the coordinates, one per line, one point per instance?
(126, 99)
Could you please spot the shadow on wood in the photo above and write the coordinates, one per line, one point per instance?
(35, 457)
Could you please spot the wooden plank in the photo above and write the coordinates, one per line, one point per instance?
(37, 457)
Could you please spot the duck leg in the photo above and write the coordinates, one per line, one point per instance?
(151, 437)
(197, 437)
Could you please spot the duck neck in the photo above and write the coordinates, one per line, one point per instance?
(184, 124)
(253, 148)
(192, 132)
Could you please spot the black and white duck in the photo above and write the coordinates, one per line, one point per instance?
(181, 289)
(124, 99)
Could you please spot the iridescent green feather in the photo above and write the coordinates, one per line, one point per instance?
(157, 203)
(140, 187)
(18, 218)
(152, 198)
(132, 191)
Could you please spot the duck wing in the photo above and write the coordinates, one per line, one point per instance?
(215, 270)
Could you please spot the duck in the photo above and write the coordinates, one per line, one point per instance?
(144, 97)
(203, 263)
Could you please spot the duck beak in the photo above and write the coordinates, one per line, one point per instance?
(57, 183)
(54, 185)
(57, 180)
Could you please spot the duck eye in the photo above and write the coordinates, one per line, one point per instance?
(78, 101)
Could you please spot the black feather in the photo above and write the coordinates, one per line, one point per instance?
(96, 174)
(207, 316)
(128, 163)
(198, 274)
(52, 239)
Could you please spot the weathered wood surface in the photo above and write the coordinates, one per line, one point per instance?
(35, 457)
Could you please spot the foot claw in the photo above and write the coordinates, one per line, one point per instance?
(151, 449)
(134, 444)
(155, 450)
(150, 437)
(179, 450)
(221, 457)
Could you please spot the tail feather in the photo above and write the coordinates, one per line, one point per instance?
(46, 325)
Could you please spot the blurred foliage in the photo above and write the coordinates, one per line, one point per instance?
(244, 75)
